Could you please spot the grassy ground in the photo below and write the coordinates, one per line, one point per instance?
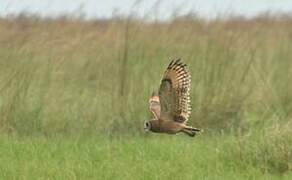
(74, 97)
(150, 157)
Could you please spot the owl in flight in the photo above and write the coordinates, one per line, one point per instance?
(171, 107)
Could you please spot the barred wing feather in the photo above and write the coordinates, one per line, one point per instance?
(174, 92)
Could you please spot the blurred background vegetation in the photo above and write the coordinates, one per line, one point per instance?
(72, 76)
(93, 78)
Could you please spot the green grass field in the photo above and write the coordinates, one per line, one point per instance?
(74, 97)
(149, 157)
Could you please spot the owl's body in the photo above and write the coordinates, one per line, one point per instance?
(171, 107)
(165, 126)
(171, 127)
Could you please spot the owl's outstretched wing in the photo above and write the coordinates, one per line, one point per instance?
(154, 105)
(174, 92)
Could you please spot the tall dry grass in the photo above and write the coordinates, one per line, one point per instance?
(72, 76)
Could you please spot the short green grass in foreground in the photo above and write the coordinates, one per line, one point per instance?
(148, 157)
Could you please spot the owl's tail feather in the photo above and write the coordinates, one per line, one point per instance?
(191, 131)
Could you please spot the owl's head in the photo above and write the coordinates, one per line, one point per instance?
(152, 125)
(147, 126)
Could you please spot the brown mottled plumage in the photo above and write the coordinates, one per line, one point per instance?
(171, 108)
